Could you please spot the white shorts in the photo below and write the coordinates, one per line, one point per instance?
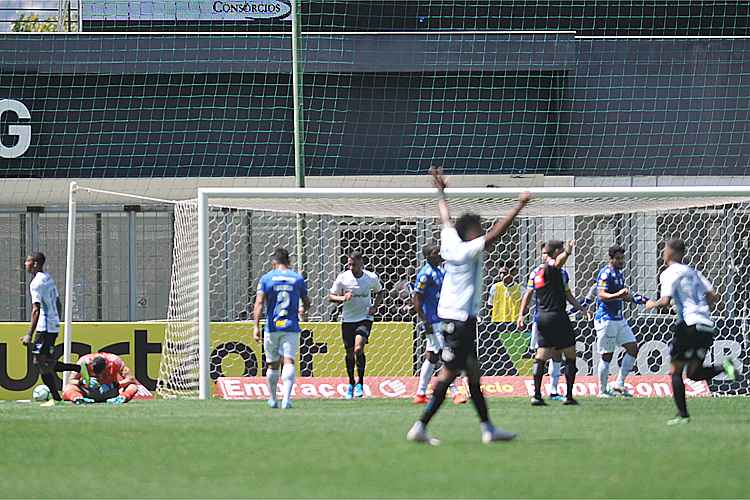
(278, 344)
(534, 342)
(612, 333)
(435, 340)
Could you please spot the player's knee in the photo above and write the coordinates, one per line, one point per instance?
(433, 357)
(350, 352)
(570, 366)
(273, 365)
(359, 349)
(607, 356)
(632, 349)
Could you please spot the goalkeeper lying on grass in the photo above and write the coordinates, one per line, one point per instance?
(103, 378)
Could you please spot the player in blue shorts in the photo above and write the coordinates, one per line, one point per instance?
(284, 292)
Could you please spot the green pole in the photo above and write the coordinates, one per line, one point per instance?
(299, 151)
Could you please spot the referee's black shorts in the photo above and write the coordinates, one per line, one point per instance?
(44, 344)
(555, 331)
(460, 343)
(691, 343)
(349, 332)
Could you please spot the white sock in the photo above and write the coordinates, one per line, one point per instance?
(425, 374)
(272, 376)
(287, 375)
(603, 375)
(625, 367)
(554, 375)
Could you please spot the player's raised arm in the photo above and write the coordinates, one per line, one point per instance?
(561, 259)
(440, 184)
(499, 227)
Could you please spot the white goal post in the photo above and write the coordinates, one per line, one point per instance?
(408, 203)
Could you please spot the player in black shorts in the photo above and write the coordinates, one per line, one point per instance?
(693, 296)
(556, 334)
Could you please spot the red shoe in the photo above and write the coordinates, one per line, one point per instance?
(459, 398)
(420, 399)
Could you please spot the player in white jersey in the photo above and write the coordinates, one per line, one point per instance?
(45, 322)
(693, 296)
(462, 247)
(354, 288)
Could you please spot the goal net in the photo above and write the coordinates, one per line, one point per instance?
(390, 226)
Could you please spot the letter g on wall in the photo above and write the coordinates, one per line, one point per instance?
(21, 131)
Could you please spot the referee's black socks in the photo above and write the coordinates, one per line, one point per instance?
(438, 396)
(538, 369)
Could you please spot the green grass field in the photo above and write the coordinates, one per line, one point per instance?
(607, 448)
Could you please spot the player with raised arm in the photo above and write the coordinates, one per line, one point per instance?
(556, 359)
(354, 289)
(556, 336)
(45, 322)
(612, 329)
(425, 298)
(284, 292)
(693, 296)
(462, 247)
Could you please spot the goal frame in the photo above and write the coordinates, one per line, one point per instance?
(205, 195)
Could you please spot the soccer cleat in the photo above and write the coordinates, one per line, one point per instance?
(497, 434)
(418, 434)
(358, 391)
(678, 420)
(459, 398)
(287, 405)
(570, 401)
(537, 402)
(420, 399)
(620, 389)
(272, 403)
(349, 392)
(729, 369)
(556, 397)
(606, 394)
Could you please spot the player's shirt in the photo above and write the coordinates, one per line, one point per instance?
(688, 289)
(428, 284)
(550, 289)
(610, 280)
(362, 288)
(461, 296)
(283, 290)
(530, 286)
(505, 301)
(112, 371)
(44, 292)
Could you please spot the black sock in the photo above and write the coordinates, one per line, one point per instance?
(570, 376)
(438, 396)
(538, 369)
(678, 391)
(705, 372)
(350, 368)
(50, 380)
(361, 362)
(479, 403)
(67, 367)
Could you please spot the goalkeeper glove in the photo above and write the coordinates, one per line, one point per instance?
(116, 400)
(83, 401)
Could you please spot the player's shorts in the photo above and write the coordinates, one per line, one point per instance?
(349, 332)
(280, 344)
(555, 331)
(44, 344)
(691, 343)
(612, 333)
(534, 341)
(460, 343)
(436, 340)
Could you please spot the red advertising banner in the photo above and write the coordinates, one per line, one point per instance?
(405, 387)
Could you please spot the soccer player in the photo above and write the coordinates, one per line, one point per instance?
(45, 322)
(693, 296)
(284, 293)
(109, 380)
(611, 327)
(462, 246)
(556, 336)
(425, 298)
(354, 288)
